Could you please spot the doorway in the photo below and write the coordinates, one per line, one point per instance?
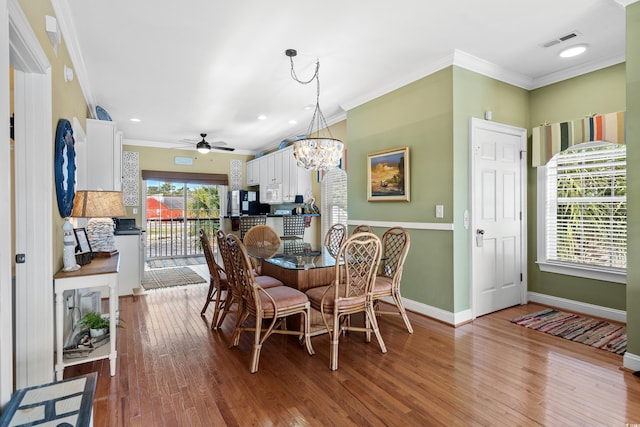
(174, 214)
(498, 228)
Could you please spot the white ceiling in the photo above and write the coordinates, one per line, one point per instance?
(192, 66)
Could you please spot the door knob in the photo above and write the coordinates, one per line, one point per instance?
(480, 231)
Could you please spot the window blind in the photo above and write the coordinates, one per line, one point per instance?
(334, 199)
(587, 206)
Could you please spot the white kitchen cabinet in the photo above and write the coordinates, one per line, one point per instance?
(103, 156)
(131, 250)
(253, 172)
(281, 179)
(295, 180)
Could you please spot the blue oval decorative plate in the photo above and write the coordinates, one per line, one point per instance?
(102, 113)
(64, 167)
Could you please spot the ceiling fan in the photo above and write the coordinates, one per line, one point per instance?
(203, 146)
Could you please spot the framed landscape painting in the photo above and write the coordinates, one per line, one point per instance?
(388, 176)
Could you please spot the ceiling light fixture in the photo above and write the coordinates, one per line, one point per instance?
(573, 51)
(203, 146)
(135, 119)
(262, 117)
(314, 151)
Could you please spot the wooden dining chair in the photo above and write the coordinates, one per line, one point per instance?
(218, 283)
(236, 293)
(350, 292)
(266, 239)
(395, 247)
(273, 305)
(362, 228)
(335, 237)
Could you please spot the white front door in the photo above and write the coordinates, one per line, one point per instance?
(498, 232)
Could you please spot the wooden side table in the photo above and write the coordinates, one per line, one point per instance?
(101, 272)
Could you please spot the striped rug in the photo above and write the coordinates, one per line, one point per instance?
(585, 330)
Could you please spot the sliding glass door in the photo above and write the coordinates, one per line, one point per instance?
(175, 213)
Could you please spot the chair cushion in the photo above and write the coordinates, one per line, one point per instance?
(284, 297)
(382, 286)
(267, 282)
(315, 297)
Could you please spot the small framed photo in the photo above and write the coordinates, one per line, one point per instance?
(388, 176)
(82, 240)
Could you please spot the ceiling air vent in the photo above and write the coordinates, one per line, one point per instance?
(561, 39)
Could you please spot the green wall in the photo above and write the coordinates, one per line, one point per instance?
(599, 92)
(633, 189)
(473, 95)
(67, 98)
(418, 116)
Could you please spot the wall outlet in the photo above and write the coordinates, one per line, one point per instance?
(439, 211)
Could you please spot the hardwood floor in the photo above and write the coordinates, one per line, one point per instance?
(172, 370)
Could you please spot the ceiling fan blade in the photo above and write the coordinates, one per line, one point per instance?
(215, 147)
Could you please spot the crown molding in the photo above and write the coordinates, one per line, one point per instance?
(68, 29)
(625, 3)
(576, 71)
(489, 69)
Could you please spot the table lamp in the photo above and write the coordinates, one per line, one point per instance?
(299, 201)
(100, 207)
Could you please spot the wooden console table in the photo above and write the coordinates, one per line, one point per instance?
(101, 272)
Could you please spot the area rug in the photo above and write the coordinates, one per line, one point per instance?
(170, 277)
(175, 262)
(593, 332)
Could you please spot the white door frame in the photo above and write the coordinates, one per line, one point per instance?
(31, 360)
(475, 124)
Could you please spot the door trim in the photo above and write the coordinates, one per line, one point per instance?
(477, 124)
(31, 359)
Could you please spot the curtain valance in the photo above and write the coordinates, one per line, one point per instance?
(550, 139)
(191, 177)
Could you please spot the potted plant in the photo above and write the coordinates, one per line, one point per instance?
(96, 323)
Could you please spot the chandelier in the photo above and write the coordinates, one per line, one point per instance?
(315, 151)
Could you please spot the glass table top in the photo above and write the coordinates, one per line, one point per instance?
(294, 254)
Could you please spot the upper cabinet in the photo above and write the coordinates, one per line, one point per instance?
(296, 180)
(103, 156)
(271, 168)
(253, 172)
(280, 178)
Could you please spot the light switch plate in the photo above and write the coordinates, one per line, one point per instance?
(439, 211)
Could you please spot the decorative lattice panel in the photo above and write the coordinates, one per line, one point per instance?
(235, 175)
(130, 179)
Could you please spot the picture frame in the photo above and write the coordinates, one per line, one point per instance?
(82, 240)
(388, 176)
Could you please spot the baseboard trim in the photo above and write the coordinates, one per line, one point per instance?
(453, 319)
(631, 361)
(461, 317)
(580, 307)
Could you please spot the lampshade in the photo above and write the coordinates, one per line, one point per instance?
(98, 204)
(298, 199)
(315, 151)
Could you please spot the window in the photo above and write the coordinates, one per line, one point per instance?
(334, 199)
(583, 212)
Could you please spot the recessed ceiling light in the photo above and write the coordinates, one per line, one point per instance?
(309, 107)
(573, 51)
(135, 119)
(262, 117)
(293, 122)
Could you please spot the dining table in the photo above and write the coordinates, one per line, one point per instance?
(296, 263)
(300, 265)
